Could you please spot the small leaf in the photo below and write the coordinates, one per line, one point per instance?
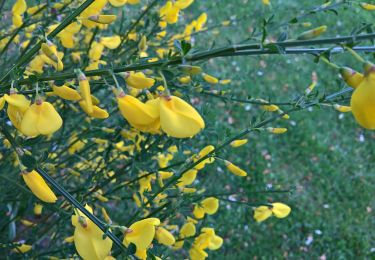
(185, 46)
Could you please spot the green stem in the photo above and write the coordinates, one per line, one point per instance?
(234, 50)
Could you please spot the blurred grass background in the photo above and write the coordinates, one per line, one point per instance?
(325, 157)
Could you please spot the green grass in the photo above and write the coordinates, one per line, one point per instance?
(322, 158)
(325, 159)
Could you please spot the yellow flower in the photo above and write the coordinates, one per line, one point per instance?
(206, 240)
(277, 130)
(96, 112)
(266, 2)
(22, 248)
(351, 77)
(103, 18)
(239, 142)
(69, 239)
(164, 237)
(187, 230)
(363, 99)
(19, 7)
(141, 233)
(342, 109)
(142, 45)
(169, 13)
(39, 187)
(207, 206)
(84, 90)
(66, 92)
(40, 118)
(27, 223)
(202, 153)
(66, 36)
(368, 7)
(178, 118)
(138, 80)
(235, 169)
(17, 106)
(53, 57)
(133, 2)
(182, 4)
(117, 3)
(143, 116)
(313, 33)
(200, 22)
(111, 42)
(88, 237)
(270, 108)
(38, 209)
(96, 51)
(187, 178)
(210, 79)
(277, 209)
(185, 80)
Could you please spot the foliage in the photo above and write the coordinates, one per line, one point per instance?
(139, 128)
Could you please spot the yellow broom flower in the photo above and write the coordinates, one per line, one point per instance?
(182, 4)
(235, 169)
(313, 33)
(210, 79)
(66, 92)
(363, 99)
(17, 106)
(118, 3)
(24, 248)
(351, 77)
(164, 237)
(367, 6)
(178, 118)
(342, 109)
(141, 233)
(138, 80)
(137, 113)
(38, 209)
(40, 118)
(103, 19)
(88, 237)
(277, 209)
(277, 130)
(239, 142)
(207, 206)
(85, 91)
(39, 187)
(169, 13)
(111, 42)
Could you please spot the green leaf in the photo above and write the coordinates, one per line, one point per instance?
(185, 46)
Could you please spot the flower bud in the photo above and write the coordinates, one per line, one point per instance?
(368, 7)
(239, 142)
(312, 33)
(235, 169)
(39, 187)
(342, 109)
(278, 130)
(102, 19)
(351, 77)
